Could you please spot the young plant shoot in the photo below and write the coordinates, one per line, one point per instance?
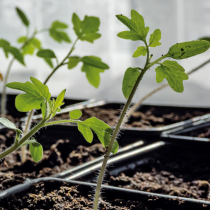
(169, 70)
(37, 96)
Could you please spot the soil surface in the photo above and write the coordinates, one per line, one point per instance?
(54, 195)
(150, 117)
(201, 132)
(173, 171)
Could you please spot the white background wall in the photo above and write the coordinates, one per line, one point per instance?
(179, 20)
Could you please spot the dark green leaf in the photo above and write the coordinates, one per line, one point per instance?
(174, 74)
(86, 132)
(73, 61)
(22, 16)
(17, 54)
(46, 53)
(77, 23)
(155, 38)
(94, 61)
(75, 114)
(36, 151)
(140, 51)
(129, 80)
(59, 36)
(59, 100)
(36, 43)
(57, 24)
(49, 62)
(7, 123)
(91, 37)
(188, 49)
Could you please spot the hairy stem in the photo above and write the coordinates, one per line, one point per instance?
(135, 106)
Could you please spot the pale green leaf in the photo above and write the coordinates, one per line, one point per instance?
(86, 132)
(188, 49)
(173, 73)
(75, 114)
(126, 21)
(129, 80)
(7, 123)
(22, 16)
(46, 53)
(73, 61)
(140, 51)
(36, 151)
(17, 54)
(59, 100)
(155, 38)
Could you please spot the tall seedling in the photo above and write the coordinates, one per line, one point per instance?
(169, 70)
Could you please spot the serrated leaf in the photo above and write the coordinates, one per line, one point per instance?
(59, 100)
(57, 24)
(5, 45)
(17, 54)
(7, 123)
(36, 151)
(75, 114)
(188, 49)
(73, 61)
(77, 23)
(90, 24)
(140, 51)
(94, 61)
(49, 62)
(173, 73)
(130, 77)
(22, 39)
(28, 49)
(22, 16)
(92, 74)
(155, 38)
(132, 35)
(86, 132)
(46, 53)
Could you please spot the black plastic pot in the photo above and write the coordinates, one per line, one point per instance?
(185, 159)
(148, 200)
(150, 131)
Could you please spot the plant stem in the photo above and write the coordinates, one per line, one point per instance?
(135, 106)
(60, 122)
(24, 138)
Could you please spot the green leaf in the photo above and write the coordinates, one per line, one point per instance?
(140, 51)
(90, 24)
(174, 74)
(22, 16)
(7, 123)
(155, 38)
(129, 80)
(22, 39)
(49, 62)
(59, 100)
(57, 32)
(75, 114)
(139, 21)
(132, 35)
(103, 132)
(205, 38)
(94, 61)
(86, 132)
(36, 93)
(5, 45)
(77, 23)
(92, 74)
(46, 53)
(17, 54)
(36, 151)
(188, 49)
(73, 61)
(90, 37)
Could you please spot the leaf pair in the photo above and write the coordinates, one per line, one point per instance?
(86, 30)
(5, 45)
(92, 66)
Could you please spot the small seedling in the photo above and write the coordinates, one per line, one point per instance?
(169, 70)
(37, 96)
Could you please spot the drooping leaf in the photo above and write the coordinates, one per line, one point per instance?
(58, 33)
(75, 114)
(35, 43)
(17, 54)
(91, 37)
(36, 151)
(73, 61)
(129, 80)
(28, 49)
(5, 45)
(173, 73)
(86, 132)
(188, 49)
(22, 16)
(94, 61)
(7, 123)
(36, 93)
(140, 51)
(49, 62)
(46, 53)
(132, 35)
(155, 38)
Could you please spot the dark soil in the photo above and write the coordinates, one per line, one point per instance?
(146, 118)
(201, 132)
(54, 195)
(173, 171)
